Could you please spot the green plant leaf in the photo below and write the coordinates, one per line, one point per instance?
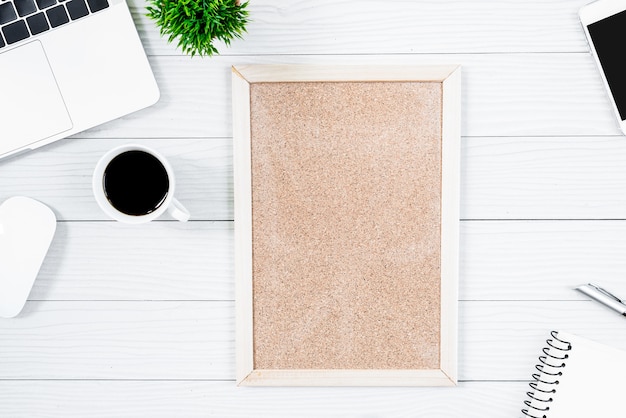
(195, 24)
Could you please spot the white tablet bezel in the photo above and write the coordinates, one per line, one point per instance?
(590, 14)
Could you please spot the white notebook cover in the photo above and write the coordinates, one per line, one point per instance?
(590, 380)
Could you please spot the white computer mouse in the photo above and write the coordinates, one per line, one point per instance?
(26, 230)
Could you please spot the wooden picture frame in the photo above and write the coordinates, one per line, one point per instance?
(369, 298)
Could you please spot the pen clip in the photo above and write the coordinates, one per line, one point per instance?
(606, 293)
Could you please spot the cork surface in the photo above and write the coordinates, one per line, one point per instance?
(346, 191)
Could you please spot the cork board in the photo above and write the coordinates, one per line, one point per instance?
(346, 224)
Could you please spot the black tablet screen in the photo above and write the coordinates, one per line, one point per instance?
(609, 37)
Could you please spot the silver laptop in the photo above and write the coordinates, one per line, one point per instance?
(66, 66)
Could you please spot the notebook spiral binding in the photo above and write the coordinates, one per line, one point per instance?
(550, 368)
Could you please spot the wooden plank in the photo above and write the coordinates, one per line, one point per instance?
(407, 27)
(278, 73)
(544, 178)
(157, 261)
(243, 232)
(450, 226)
(532, 95)
(502, 178)
(500, 260)
(351, 377)
(59, 175)
(98, 399)
(119, 340)
(540, 260)
(498, 340)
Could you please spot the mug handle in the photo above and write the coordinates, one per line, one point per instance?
(178, 211)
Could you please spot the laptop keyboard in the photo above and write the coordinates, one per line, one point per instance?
(21, 19)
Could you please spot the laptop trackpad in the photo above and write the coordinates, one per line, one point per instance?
(33, 108)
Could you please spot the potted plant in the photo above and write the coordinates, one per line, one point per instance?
(198, 23)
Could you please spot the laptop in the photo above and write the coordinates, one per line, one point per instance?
(67, 66)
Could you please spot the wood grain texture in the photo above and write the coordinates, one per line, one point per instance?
(540, 260)
(502, 177)
(243, 232)
(396, 26)
(156, 261)
(119, 340)
(498, 340)
(500, 260)
(193, 399)
(544, 178)
(503, 95)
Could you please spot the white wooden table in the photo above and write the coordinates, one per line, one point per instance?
(138, 321)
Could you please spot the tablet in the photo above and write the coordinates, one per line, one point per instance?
(604, 23)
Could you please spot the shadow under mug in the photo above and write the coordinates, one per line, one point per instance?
(135, 184)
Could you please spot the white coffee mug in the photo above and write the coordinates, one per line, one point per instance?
(135, 184)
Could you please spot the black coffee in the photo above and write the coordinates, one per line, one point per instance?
(136, 183)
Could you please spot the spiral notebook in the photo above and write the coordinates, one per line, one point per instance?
(577, 377)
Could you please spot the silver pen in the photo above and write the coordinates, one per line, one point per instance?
(604, 297)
